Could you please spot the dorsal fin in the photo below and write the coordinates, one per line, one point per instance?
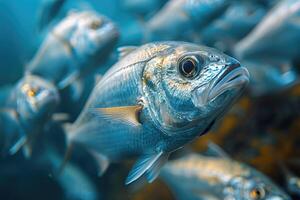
(125, 50)
(128, 114)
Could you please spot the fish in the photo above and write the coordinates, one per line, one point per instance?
(270, 40)
(154, 100)
(144, 8)
(217, 177)
(178, 19)
(292, 181)
(28, 108)
(270, 78)
(49, 11)
(235, 23)
(75, 47)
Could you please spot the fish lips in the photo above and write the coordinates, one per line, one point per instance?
(234, 77)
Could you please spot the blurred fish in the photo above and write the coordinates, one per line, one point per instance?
(76, 46)
(268, 78)
(181, 18)
(156, 99)
(237, 21)
(76, 185)
(275, 36)
(49, 11)
(142, 8)
(28, 109)
(200, 177)
(292, 181)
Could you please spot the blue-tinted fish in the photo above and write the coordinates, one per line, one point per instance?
(142, 8)
(237, 21)
(275, 36)
(179, 19)
(217, 178)
(49, 11)
(292, 181)
(156, 99)
(76, 46)
(28, 109)
(267, 78)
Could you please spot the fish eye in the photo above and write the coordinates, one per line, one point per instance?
(31, 92)
(190, 66)
(257, 193)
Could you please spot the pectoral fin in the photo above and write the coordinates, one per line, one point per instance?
(68, 80)
(149, 165)
(217, 150)
(18, 145)
(102, 162)
(127, 114)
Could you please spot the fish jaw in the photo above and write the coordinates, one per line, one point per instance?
(234, 77)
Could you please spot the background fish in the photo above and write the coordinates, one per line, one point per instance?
(28, 109)
(179, 19)
(154, 100)
(195, 176)
(76, 46)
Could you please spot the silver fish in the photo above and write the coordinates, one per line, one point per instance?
(275, 36)
(28, 109)
(76, 46)
(179, 18)
(156, 99)
(202, 177)
(236, 22)
(270, 78)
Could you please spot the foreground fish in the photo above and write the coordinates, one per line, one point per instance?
(157, 98)
(236, 22)
(275, 36)
(29, 107)
(181, 18)
(217, 178)
(76, 46)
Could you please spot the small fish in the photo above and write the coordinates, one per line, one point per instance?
(157, 98)
(269, 78)
(75, 47)
(179, 18)
(292, 182)
(49, 11)
(29, 107)
(275, 36)
(236, 22)
(196, 176)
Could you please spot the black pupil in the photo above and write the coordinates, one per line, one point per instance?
(188, 67)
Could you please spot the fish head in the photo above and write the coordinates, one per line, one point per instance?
(253, 188)
(188, 88)
(88, 34)
(36, 98)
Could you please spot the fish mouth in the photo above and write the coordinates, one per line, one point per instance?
(234, 77)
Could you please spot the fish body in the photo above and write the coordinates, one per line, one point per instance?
(274, 37)
(154, 100)
(179, 19)
(75, 47)
(216, 178)
(28, 108)
(235, 23)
